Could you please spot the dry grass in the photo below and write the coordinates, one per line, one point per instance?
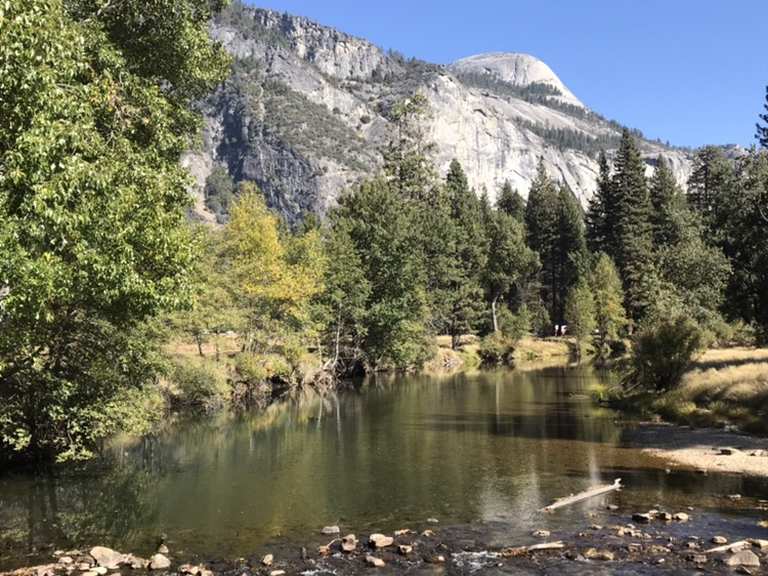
(728, 386)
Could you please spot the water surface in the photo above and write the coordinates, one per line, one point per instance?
(491, 448)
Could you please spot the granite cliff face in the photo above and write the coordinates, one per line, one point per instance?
(306, 113)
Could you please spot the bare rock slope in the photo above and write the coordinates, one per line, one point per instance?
(307, 110)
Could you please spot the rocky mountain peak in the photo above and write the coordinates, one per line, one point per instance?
(517, 69)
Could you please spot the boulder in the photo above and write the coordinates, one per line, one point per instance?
(159, 562)
(373, 561)
(761, 544)
(106, 557)
(381, 541)
(743, 558)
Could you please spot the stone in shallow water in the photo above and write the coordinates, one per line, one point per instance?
(719, 540)
(541, 533)
(107, 557)
(743, 558)
(381, 541)
(159, 562)
(594, 554)
(268, 560)
(373, 561)
(681, 517)
(349, 543)
(331, 530)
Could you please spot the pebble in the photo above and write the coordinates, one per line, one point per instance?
(268, 560)
(163, 549)
(719, 540)
(277, 573)
(541, 533)
(330, 530)
(433, 521)
(681, 517)
(405, 549)
(373, 561)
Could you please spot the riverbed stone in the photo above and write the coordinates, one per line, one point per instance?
(268, 560)
(681, 517)
(110, 559)
(159, 562)
(163, 549)
(642, 517)
(100, 570)
(405, 549)
(743, 558)
(758, 543)
(603, 555)
(541, 534)
(349, 543)
(720, 540)
(137, 562)
(88, 573)
(330, 530)
(66, 560)
(373, 561)
(381, 540)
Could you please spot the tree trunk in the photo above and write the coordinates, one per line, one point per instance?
(493, 311)
(199, 341)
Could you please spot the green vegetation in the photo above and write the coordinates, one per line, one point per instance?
(95, 100)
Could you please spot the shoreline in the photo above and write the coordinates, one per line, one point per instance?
(605, 540)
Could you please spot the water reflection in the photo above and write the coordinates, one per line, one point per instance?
(493, 447)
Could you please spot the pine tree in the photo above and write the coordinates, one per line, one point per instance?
(762, 131)
(709, 184)
(634, 239)
(600, 212)
(666, 198)
(570, 248)
(468, 256)
(542, 221)
(511, 202)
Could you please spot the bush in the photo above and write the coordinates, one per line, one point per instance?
(664, 351)
(496, 349)
(198, 386)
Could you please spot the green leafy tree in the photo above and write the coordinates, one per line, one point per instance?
(95, 105)
(580, 312)
(608, 295)
(510, 261)
(511, 202)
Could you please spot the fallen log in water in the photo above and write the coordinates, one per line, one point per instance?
(590, 493)
(734, 547)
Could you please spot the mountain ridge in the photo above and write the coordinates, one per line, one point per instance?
(306, 113)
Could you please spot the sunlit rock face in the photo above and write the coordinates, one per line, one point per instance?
(310, 113)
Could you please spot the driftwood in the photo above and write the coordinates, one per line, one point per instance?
(590, 493)
(734, 546)
(546, 546)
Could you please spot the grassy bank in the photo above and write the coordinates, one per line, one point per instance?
(725, 387)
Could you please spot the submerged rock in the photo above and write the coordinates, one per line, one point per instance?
(594, 554)
(331, 530)
(373, 561)
(719, 540)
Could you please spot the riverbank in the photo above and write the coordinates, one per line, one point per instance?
(607, 541)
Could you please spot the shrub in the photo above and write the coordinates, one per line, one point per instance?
(198, 386)
(664, 351)
(496, 349)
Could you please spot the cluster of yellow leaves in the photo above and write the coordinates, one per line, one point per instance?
(276, 274)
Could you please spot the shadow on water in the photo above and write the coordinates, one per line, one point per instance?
(492, 447)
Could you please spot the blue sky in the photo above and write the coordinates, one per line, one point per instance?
(689, 71)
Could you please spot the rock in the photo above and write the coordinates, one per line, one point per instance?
(277, 573)
(642, 518)
(595, 527)
(761, 544)
(88, 573)
(324, 550)
(612, 507)
(681, 517)
(594, 554)
(159, 562)
(405, 549)
(719, 540)
(110, 559)
(83, 566)
(380, 540)
(100, 570)
(268, 560)
(743, 558)
(349, 543)
(403, 532)
(728, 451)
(697, 558)
(373, 561)
(190, 569)
(331, 530)
(734, 497)
(163, 549)
(433, 521)
(66, 560)
(664, 516)
(692, 546)
(541, 534)
(513, 552)
(428, 533)
(137, 562)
